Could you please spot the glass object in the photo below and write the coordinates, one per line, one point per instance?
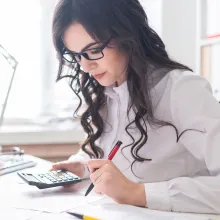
(8, 66)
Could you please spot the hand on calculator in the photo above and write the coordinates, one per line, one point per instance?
(62, 173)
(50, 179)
(71, 166)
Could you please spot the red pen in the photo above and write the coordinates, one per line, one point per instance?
(110, 157)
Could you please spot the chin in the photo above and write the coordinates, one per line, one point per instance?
(106, 83)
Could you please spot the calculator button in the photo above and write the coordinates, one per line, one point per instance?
(45, 180)
(65, 176)
(41, 176)
(53, 176)
(50, 176)
(71, 174)
(71, 178)
(47, 176)
(58, 176)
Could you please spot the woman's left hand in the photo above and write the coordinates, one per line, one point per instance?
(109, 180)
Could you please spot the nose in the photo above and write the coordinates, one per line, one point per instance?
(87, 65)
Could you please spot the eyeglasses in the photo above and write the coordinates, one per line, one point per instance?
(89, 54)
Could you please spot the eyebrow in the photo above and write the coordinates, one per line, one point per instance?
(86, 47)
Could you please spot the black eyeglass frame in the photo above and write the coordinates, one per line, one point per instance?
(84, 54)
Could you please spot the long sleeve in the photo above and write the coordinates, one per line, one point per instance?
(81, 156)
(193, 107)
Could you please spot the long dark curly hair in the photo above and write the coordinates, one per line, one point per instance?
(127, 23)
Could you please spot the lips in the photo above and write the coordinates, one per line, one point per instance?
(99, 76)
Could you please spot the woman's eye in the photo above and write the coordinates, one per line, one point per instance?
(95, 51)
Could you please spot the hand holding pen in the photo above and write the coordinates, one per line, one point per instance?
(110, 157)
(109, 180)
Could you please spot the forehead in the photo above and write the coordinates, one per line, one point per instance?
(76, 37)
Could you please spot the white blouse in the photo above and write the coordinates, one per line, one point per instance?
(182, 176)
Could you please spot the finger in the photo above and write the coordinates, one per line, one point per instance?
(98, 186)
(92, 170)
(96, 164)
(97, 190)
(85, 163)
(60, 165)
(98, 173)
(101, 184)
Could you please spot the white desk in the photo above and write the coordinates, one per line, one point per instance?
(12, 189)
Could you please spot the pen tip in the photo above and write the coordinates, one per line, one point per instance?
(87, 192)
(76, 215)
(89, 189)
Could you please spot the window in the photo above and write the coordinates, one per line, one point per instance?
(26, 34)
(210, 43)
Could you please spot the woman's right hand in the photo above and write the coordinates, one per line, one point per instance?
(71, 166)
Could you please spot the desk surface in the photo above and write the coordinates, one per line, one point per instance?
(19, 199)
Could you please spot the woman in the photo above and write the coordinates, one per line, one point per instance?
(166, 116)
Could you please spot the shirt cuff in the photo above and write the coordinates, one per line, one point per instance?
(87, 173)
(157, 196)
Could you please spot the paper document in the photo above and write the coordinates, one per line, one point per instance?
(57, 199)
(53, 216)
(111, 210)
(18, 214)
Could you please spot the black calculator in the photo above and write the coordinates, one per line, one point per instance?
(50, 179)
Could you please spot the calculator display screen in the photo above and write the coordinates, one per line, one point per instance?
(30, 177)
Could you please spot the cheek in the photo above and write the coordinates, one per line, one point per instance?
(115, 62)
(120, 61)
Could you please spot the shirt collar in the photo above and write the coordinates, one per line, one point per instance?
(158, 81)
(117, 92)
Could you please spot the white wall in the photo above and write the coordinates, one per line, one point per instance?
(179, 30)
(153, 9)
(175, 22)
(179, 25)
